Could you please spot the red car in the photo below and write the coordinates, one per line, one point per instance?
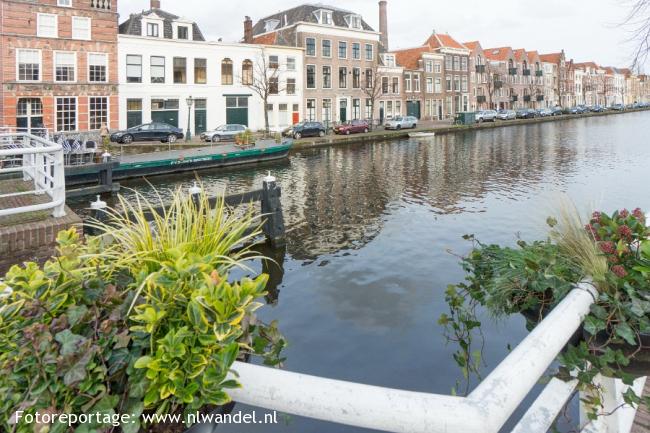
(353, 127)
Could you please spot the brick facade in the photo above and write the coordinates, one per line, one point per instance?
(22, 101)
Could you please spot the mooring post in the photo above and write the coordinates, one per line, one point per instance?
(106, 173)
(195, 194)
(272, 211)
(98, 213)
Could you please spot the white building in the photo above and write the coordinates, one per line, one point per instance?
(164, 60)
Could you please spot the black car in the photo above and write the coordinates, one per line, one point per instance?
(155, 131)
(526, 113)
(557, 110)
(305, 129)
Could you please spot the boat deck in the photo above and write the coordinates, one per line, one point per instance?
(207, 150)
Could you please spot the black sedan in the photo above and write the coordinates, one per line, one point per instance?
(526, 113)
(305, 129)
(155, 131)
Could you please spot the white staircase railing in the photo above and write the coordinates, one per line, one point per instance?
(485, 410)
(40, 162)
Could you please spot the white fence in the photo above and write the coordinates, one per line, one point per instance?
(485, 410)
(36, 160)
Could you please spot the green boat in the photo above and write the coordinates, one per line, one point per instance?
(175, 161)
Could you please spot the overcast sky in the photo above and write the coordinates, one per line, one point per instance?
(586, 29)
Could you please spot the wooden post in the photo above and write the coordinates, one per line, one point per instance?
(272, 212)
(106, 173)
(97, 213)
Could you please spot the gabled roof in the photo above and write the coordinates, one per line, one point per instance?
(551, 58)
(408, 57)
(266, 39)
(585, 65)
(473, 46)
(520, 55)
(438, 40)
(501, 54)
(133, 25)
(533, 56)
(305, 13)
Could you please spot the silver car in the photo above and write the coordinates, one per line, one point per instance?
(486, 116)
(401, 122)
(223, 133)
(506, 115)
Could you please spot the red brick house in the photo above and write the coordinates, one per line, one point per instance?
(58, 66)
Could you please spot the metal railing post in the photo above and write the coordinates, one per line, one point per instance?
(58, 190)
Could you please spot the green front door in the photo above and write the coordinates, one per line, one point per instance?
(343, 111)
(237, 110)
(413, 109)
(168, 116)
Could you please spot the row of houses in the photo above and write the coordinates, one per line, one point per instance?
(70, 65)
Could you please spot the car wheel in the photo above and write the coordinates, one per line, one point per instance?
(215, 138)
(415, 125)
(171, 138)
(297, 135)
(322, 133)
(347, 132)
(127, 139)
(398, 127)
(365, 130)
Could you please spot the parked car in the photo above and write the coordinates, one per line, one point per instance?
(526, 113)
(154, 131)
(596, 109)
(618, 107)
(545, 112)
(352, 127)
(305, 129)
(223, 133)
(486, 116)
(402, 122)
(574, 110)
(557, 110)
(506, 114)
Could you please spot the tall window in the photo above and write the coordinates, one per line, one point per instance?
(133, 112)
(356, 108)
(327, 77)
(437, 67)
(46, 26)
(463, 63)
(29, 65)
(273, 85)
(98, 68)
(429, 85)
(152, 30)
(448, 63)
(369, 79)
(66, 114)
(456, 63)
(343, 50)
(327, 111)
(64, 66)
(407, 82)
(97, 112)
(311, 76)
(416, 82)
(180, 70)
(368, 108)
(134, 68)
(428, 66)
(291, 86)
(183, 32)
(369, 52)
(310, 47)
(274, 62)
(247, 73)
(81, 28)
(326, 48)
(395, 85)
(438, 85)
(384, 85)
(291, 63)
(226, 72)
(356, 51)
(356, 78)
(343, 78)
(157, 70)
(464, 85)
(448, 80)
(311, 110)
(200, 71)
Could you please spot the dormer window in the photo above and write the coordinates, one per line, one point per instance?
(153, 30)
(389, 60)
(354, 21)
(324, 17)
(182, 32)
(270, 25)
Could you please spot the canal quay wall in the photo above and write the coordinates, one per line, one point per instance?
(383, 135)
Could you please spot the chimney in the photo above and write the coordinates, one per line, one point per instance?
(155, 4)
(248, 30)
(383, 24)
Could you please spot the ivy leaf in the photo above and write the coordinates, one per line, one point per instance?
(624, 331)
(76, 313)
(593, 325)
(69, 342)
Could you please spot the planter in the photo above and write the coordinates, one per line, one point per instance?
(639, 366)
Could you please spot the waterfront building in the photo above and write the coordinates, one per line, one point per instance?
(341, 56)
(481, 78)
(563, 78)
(391, 92)
(501, 63)
(59, 62)
(168, 72)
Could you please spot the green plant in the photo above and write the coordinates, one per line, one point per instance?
(245, 137)
(132, 321)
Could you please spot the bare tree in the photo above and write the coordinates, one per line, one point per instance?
(489, 85)
(372, 89)
(637, 23)
(264, 80)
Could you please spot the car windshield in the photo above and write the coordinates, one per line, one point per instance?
(221, 128)
(398, 119)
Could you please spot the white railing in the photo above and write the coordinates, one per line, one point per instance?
(36, 160)
(485, 410)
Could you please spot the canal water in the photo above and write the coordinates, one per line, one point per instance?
(374, 230)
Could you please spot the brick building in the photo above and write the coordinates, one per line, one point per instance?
(58, 64)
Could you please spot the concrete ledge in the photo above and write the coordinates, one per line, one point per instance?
(391, 135)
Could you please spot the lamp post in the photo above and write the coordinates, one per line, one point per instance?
(190, 102)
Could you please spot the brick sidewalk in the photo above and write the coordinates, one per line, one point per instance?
(642, 421)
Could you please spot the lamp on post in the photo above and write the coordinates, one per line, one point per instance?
(190, 102)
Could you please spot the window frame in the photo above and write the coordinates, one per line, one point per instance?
(40, 65)
(56, 113)
(307, 67)
(370, 51)
(307, 52)
(55, 65)
(106, 65)
(108, 111)
(329, 55)
(90, 28)
(133, 64)
(197, 69)
(152, 25)
(340, 45)
(163, 66)
(61, 3)
(39, 17)
(225, 63)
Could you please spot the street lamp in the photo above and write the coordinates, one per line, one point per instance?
(190, 102)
